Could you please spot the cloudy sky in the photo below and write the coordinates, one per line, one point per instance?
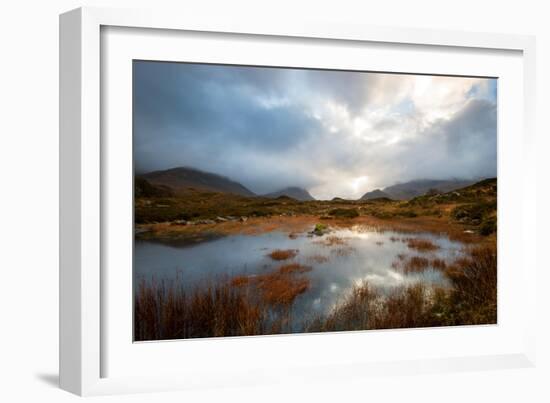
(334, 133)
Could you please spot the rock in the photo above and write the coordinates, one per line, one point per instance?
(243, 219)
(221, 219)
(203, 222)
(468, 231)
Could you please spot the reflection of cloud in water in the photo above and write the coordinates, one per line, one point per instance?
(331, 279)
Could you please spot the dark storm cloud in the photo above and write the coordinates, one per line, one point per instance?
(463, 146)
(325, 131)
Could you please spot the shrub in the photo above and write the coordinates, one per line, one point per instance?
(488, 226)
(473, 213)
(474, 281)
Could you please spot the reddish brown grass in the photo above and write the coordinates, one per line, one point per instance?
(279, 287)
(240, 281)
(439, 264)
(416, 264)
(294, 268)
(163, 311)
(421, 245)
(283, 254)
(282, 289)
(474, 281)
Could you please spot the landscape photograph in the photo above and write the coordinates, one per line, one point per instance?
(275, 200)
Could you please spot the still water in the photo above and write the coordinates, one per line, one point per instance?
(366, 255)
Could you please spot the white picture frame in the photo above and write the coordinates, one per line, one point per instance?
(85, 344)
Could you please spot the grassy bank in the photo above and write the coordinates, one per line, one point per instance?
(468, 215)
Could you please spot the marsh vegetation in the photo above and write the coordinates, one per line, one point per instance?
(210, 264)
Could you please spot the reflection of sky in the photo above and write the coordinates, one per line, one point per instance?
(241, 254)
(269, 128)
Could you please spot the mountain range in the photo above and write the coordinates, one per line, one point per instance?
(293, 191)
(419, 187)
(182, 179)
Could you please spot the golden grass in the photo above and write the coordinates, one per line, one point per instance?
(283, 254)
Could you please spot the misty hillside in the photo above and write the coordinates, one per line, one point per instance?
(415, 188)
(143, 188)
(185, 178)
(294, 192)
(375, 194)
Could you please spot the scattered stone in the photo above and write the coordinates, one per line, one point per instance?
(221, 219)
(243, 219)
(469, 231)
(199, 222)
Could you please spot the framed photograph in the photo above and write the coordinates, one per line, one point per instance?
(242, 202)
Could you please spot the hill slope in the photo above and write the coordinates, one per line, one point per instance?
(184, 178)
(415, 188)
(293, 191)
(375, 194)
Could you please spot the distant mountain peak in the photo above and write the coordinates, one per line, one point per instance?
(375, 194)
(294, 192)
(417, 187)
(181, 178)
